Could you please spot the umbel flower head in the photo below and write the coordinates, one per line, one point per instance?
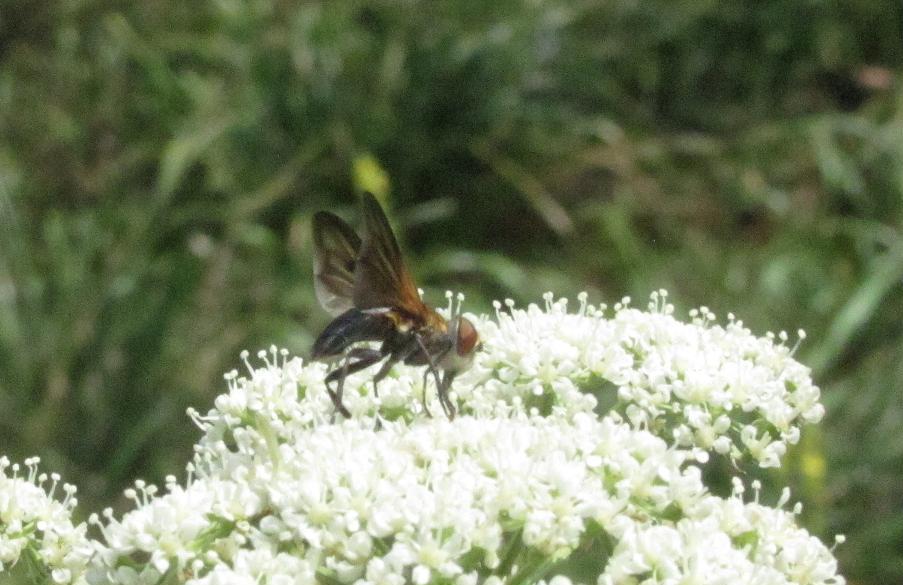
(574, 458)
(36, 527)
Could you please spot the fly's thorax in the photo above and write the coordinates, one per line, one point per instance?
(401, 321)
(436, 322)
(426, 323)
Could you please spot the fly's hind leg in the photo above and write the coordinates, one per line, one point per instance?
(338, 375)
(365, 358)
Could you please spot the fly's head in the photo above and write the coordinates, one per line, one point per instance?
(464, 337)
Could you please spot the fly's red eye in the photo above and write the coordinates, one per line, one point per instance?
(467, 337)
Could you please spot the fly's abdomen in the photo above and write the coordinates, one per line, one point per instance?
(349, 328)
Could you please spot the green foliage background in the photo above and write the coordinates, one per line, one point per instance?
(160, 162)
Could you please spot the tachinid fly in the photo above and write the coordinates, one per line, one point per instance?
(364, 282)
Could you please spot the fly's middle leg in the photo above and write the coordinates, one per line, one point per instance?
(426, 375)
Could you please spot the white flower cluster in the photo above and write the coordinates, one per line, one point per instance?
(515, 490)
(37, 529)
(721, 542)
(533, 482)
(698, 384)
(441, 501)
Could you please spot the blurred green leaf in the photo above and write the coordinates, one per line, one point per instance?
(884, 276)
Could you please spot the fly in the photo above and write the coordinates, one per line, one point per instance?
(366, 285)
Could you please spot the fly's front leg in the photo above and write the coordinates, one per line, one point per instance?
(447, 378)
(441, 389)
(365, 358)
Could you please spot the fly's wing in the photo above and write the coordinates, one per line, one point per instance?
(381, 279)
(336, 249)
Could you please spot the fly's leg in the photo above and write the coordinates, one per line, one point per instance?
(426, 374)
(382, 373)
(441, 387)
(447, 378)
(336, 395)
(384, 370)
(401, 355)
(365, 358)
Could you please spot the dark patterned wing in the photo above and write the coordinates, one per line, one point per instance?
(336, 249)
(381, 279)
